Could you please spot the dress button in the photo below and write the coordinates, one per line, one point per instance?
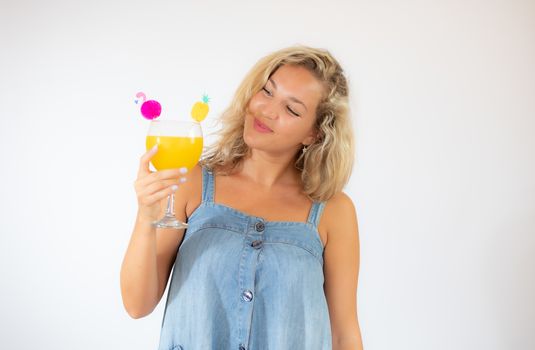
(256, 244)
(259, 226)
(247, 295)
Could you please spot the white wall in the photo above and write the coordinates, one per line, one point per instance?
(442, 93)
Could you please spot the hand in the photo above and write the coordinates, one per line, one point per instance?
(151, 187)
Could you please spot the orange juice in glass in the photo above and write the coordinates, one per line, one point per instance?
(180, 145)
(175, 151)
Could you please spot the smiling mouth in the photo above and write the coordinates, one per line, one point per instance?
(260, 125)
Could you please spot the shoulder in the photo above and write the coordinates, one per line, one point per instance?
(339, 216)
(190, 191)
(339, 207)
(194, 176)
(340, 201)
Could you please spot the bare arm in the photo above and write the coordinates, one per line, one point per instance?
(147, 264)
(151, 251)
(341, 268)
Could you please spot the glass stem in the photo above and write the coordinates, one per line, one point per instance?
(170, 205)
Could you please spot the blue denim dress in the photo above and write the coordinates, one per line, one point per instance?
(241, 282)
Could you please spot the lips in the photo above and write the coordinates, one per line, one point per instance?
(261, 126)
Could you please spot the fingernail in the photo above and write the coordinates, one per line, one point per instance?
(155, 147)
(183, 170)
(174, 187)
(182, 179)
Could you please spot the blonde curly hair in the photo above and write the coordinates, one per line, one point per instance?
(327, 164)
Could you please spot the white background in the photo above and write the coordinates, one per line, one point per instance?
(444, 183)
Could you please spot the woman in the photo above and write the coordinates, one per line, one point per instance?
(270, 258)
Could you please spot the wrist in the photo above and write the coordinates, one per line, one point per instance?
(144, 220)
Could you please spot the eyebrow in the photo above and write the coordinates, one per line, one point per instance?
(291, 97)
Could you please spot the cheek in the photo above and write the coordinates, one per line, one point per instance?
(254, 104)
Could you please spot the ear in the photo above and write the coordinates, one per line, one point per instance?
(311, 138)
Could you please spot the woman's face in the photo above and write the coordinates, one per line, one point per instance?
(280, 117)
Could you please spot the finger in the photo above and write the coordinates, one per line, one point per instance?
(145, 160)
(158, 196)
(158, 186)
(162, 175)
(144, 193)
(172, 173)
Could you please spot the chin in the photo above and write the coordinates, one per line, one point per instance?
(250, 140)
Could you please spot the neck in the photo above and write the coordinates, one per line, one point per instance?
(268, 170)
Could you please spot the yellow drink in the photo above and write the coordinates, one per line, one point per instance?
(175, 151)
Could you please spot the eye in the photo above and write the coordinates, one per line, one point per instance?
(292, 112)
(266, 91)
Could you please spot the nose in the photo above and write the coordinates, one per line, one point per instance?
(268, 113)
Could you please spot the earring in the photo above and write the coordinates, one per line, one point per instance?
(304, 149)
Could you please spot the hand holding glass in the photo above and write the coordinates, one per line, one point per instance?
(180, 145)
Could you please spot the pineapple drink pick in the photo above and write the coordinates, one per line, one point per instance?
(200, 109)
